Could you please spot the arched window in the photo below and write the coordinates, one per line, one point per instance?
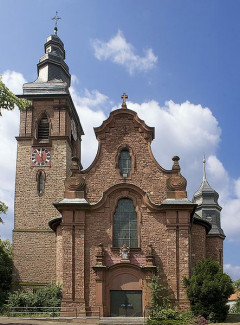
(40, 182)
(125, 163)
(125, 224)
(43, 129)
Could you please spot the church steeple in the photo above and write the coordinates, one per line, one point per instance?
(208, 208)
(53, 72)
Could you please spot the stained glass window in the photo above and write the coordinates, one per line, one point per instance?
(125, 224)
(125, 163)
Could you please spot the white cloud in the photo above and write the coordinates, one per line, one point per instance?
(13, 80)
(119, 51)
(185, 129)
(90, 106)
(231, 212)
(229, 196)
(218, 176)
(189, 130)
(9, 128)
(233, 271)
(237, 187)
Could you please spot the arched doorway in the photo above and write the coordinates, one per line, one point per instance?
(125, 291)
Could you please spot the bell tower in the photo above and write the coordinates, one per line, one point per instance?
(50, 134)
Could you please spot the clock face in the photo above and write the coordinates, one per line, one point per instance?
(41, 157)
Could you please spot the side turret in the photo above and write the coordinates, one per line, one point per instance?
(208, 208)
(207, 243)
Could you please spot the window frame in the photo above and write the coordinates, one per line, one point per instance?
(41, 174)
(114, 239)
(44, 115)
(125, 147)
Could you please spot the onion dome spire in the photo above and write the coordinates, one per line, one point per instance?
(205, 188)
(53, 72)
(208, 208)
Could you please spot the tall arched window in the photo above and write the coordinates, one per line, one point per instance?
(125, 224)
(43, 129)
(125, 163)
(40, 182)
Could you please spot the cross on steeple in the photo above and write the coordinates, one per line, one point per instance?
(124, 97)
(204, 169)
(56, 18)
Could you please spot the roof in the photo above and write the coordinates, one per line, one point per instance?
(234, 296)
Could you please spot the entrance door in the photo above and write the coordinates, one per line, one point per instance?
(126, 303)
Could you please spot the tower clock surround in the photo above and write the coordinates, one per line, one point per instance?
(41, 156)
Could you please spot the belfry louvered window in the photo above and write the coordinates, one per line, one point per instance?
(125, 163)
(125, 224)
(43, 129)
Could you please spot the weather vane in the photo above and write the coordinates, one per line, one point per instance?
(56, 18)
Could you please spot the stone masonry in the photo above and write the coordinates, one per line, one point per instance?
(67, 219)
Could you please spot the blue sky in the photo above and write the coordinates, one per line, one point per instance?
(177, 60)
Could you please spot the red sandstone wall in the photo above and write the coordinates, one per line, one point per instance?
(146, 173)
(198, 244)
(214, 248)
(34, 247)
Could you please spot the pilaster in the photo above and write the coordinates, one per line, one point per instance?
(178, 223)
(73, 223)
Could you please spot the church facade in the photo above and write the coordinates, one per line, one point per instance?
(103, 231)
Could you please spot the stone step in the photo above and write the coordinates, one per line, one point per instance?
(122, 321)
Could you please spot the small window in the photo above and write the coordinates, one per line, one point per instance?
(40, 182)
(125, 163)
(125, 224)
(43, 129)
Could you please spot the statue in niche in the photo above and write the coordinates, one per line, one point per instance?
(124, 252)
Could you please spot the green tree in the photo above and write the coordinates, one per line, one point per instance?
(8, 100)
(5, 269)
(161, 311)
(208, 290)
(236, 285)
(3, 209)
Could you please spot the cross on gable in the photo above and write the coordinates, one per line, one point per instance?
(124, 97)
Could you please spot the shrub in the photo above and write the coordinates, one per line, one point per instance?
(208, 290)
(161, 311)
(5, 270)
(48, 296)
(166, 322)
(235, 309)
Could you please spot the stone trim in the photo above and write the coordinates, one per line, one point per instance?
(32, 230)
(131, 153)
(137, 200)
(27, 284)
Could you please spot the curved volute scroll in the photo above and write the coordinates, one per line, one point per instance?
(176, 183)
(75, 183)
